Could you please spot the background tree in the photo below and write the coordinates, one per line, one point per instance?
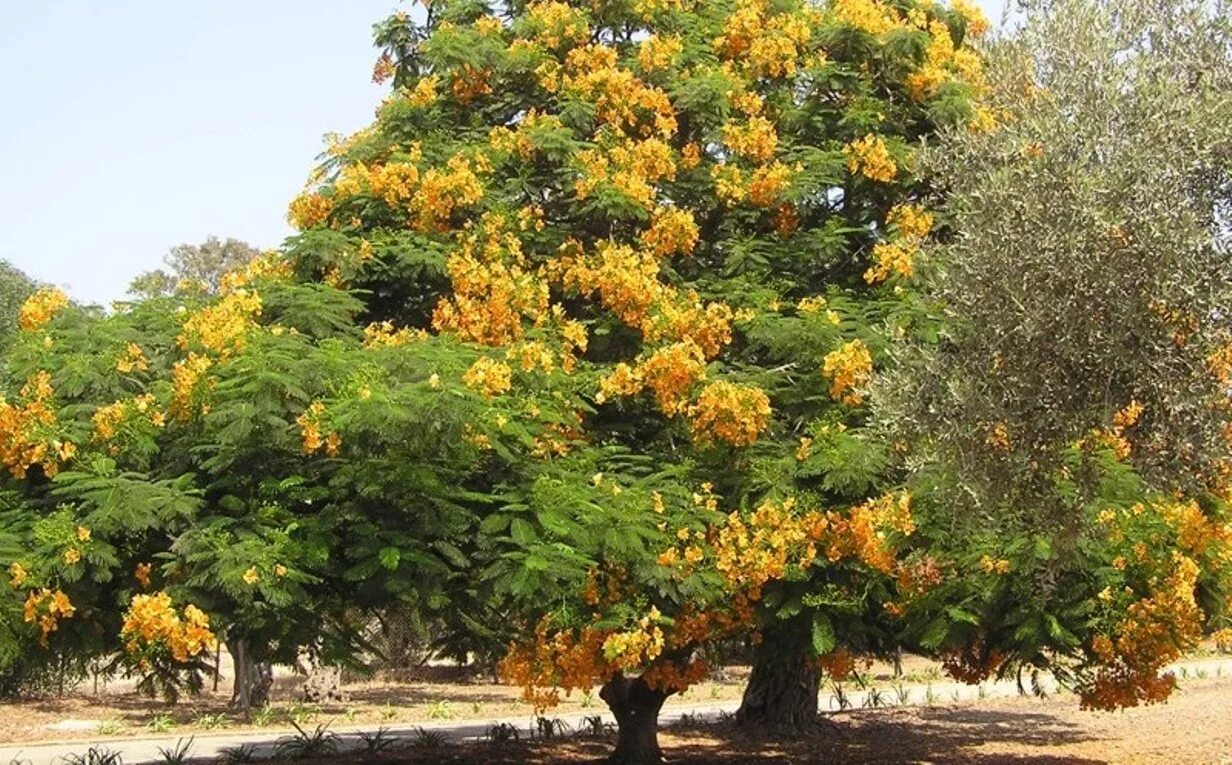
(15, 287)
(179, 453)
(197, 267)
(1069, 431)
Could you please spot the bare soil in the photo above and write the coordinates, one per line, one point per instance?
(1195, 727)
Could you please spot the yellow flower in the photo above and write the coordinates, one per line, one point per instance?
(72, 555)
(40, 307)
(142, 574)
(251, 577)
(870, 157)
(83, 534)
(280, 570)
(17, 575)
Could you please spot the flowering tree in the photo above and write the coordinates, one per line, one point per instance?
(172, 472)
(1071, 428)
(695, 223)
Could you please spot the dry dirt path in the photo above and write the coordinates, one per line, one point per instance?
(987, 725)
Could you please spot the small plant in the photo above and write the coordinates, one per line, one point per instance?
(161, 723)
(111, 727)
(715, 691)
(476, 708)
(903, 694)
(177, 755)
(1200, 673)
(375, 743)
(216, 721)
(95, 755)
(441, 710)
(594, 726)
(954, 695)
(550, 728)
(18, 761)
(981, 692)
(237, 755)
(588, 700)
(502, 733)
(875, 699)
(840, 697)
(301, 713)
(930, 696)
(388, 712)
(264, 716)
(319, 742)
(932, 674)
(349, 716)
(1184, 673)
(429, 739)
(688, 720)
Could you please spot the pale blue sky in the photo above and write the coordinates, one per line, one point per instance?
(131, 126)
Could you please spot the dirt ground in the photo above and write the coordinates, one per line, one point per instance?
(1195, 727)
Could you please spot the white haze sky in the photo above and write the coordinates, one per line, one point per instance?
(131, 126)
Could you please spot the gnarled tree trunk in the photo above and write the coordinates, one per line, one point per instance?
(635, 705)
(253, 678)
(786, 679)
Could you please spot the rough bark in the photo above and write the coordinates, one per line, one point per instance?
(253, 678)
(635, 705)
(785, 682)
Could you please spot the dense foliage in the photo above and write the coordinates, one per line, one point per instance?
(1072, 426)
(702, 216)
(633, 332)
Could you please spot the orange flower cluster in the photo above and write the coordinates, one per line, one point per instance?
(944, 61)
(152, 624)
(488, 376)
(991, 565)
(755, 140)
(838, 665)
(658, 52)
(189, 384)
(670, 372)
(750, 552)
(628, 650)
(310, 422)
(630, 167)
(1153, 634)
(1195, 532)
(556, 25)
(270, 266)
(870, 157)
(864, 533)
(27, 430)
(1114, 437)
(39, 308)
(109, 418)
(133, 360)
(47, 608)
(972, 664)
(221, 327)
(443, 191)
(621, 100)
(728, 412)
(385, 335)
(672, 230)
(849, 368)
(565, 660)
(493, 289)
(766, 44)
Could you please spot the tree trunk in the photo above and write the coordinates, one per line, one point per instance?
(635, 705)
(785, 683)
(253, 678)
